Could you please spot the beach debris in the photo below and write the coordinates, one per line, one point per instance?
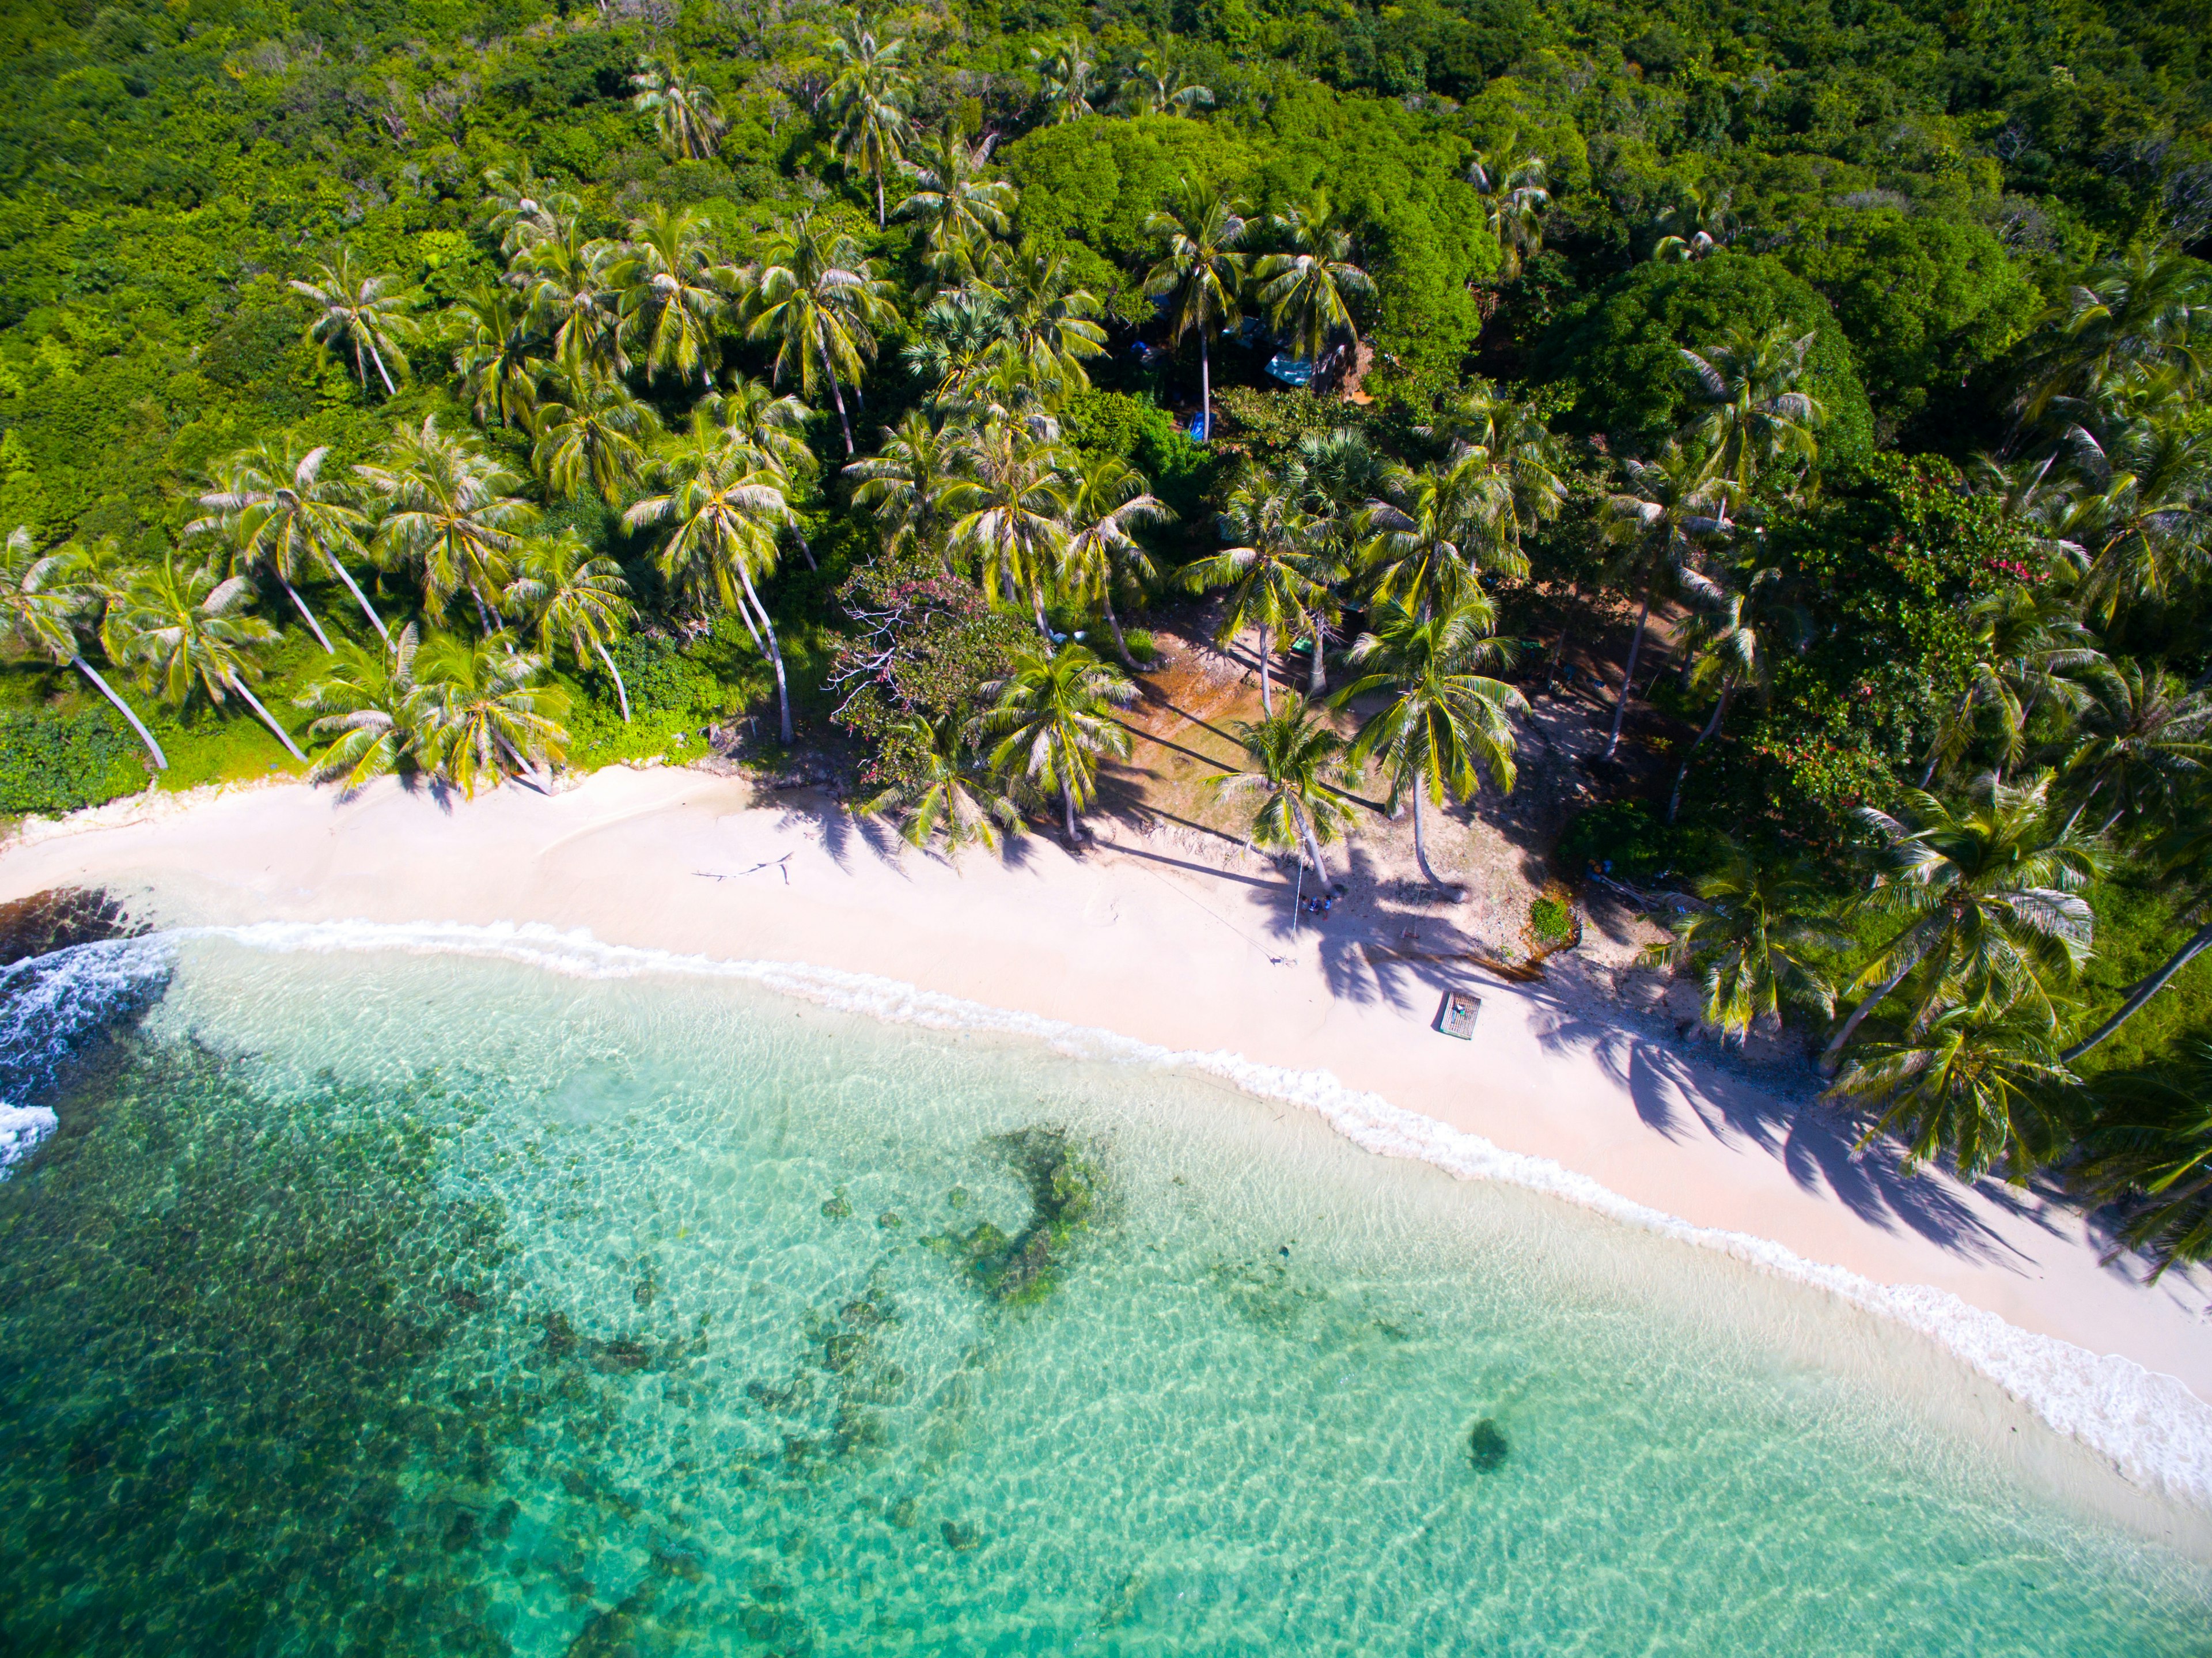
(1456, 1015)
(1487, 1446)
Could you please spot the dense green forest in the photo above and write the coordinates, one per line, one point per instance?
(467, 387)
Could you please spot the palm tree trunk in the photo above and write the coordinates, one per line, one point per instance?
(880, 220)
(1312, 842)
(254, 702)
(160, 760)
(307, 615)
(1036, 605)
(836, 395)
(1720, 707)
(1317, 677)
(1628, 673)
(1114, 624)
(389, 391)
(359, 597)
(774, 655)
(1204, 387)
(1266, 702)
(1835, 1048)
(1421, 838)
(2191, 949)
(1068, 806)
(622, 691)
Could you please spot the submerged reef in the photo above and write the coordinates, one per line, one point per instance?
(1487, 1446)
(1066, 1182)
(58, 919)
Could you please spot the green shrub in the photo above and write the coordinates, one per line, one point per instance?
(52, 763)
(1551, 919)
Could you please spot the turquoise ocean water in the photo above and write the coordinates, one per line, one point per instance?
(385, 1303)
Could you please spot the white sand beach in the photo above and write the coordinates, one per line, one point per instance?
(1138, 939)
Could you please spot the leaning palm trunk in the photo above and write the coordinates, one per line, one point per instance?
(774, 656)
(1835, 1048)
(1068, 806)
(1317, 675)
(836, 395)
(390, 390)
(1628, 673)
(2191, 948)
(160, 760)
(622, 691)
(1205, 388)
(1720, 708)
(267, 718)
(1421, 839)
(306, 614)
(1114, 625)
(1312, 843)
(359, 597)
(1267, 702)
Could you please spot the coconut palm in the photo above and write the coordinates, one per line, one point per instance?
(1306, 287)
(1971, 1082)
(483, 714)
(2151, 1153)
(1294, 763)
(1053, 717)
(2184, 857)
(868, 97)
(821, 302)
(1200, 273)
(1446, 721)
(564, 280)
(1660, 523)
(521, 208)
(1106, 503)
(594, 432)
(960, 208)
(2149, 308)
(725, 512)
(1434, 531)
(2143, 736)
(1275, 574)
(185, 631)
(495, 354)
(1515, 196)
(282, 517)
(665, 293)
(2029, 650)
(1751, 411)
(567, 594)
(1156, 85)
(41, 611)
(1987, 897)
(367, 705)
(950, 790)
(1050, 321)
(447, 517)
(1731, 642)
(2142, 509)
(905, 483)
(1064, 75)
(1756, 944)
(684, 111)
(772, 428)
(1480, 416)
(357, 312)
(1009, 508)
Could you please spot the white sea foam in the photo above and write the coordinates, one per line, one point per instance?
(21, 1128)
(2149, 1424)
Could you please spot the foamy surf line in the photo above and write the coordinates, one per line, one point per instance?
(2148, 1424)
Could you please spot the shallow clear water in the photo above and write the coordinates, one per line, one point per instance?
(400, 1304)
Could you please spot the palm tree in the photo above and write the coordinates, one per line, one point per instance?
(1106, 502)
(727, 511)
(868, 97)
(2151, 1151)
(1730, 645)
(1986, 894)
(1446, 721)
(1437, 529)
(2143, 736)
(1660, 521)
(686, 113)
(1274, 577)
(960, 337)
(1156, 85)
(2026, 645)
(1201, 274)
(1305, 288)
(567, 594)
(1294, 763)
(961, 208)
(496, 354)
(950, 790)
(1010, 505)
(2185, 858)
(1053, 717)
(281, 516)
(903, 485)
(2139, 511)
(1514, 197)
(2149, 308)
(1756, 943)
(368, 706)
(359, 313)
(40, 612)
(1050, 322)
(1480, 416)
(597, 433)
(1753, 411)
(446, 516)
(821, 301)
(565, 278)
(522, 209)
(1063, 73)
(1972, 1081)
(772, 429)
(185, 631)
(483, 715)
(665, 293)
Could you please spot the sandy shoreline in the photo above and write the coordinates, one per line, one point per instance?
(1168, 952)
